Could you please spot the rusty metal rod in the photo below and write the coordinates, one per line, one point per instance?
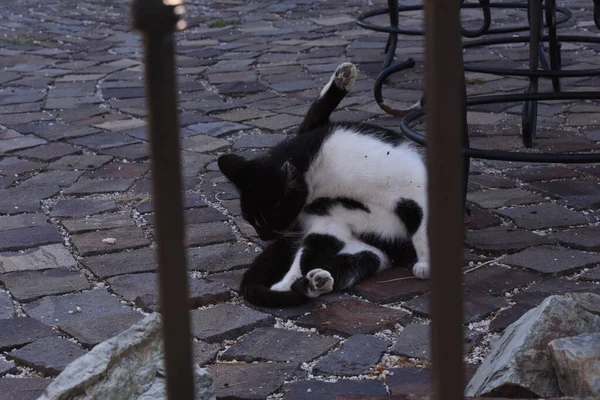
(157, 21)
(445, 113)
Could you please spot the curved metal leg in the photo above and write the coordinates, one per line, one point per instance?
(487, 21)
(529, 113)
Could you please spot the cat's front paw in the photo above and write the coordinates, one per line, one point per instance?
(319, 282)
(421, 270)
(345, 76)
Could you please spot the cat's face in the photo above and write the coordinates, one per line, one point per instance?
(271, 196)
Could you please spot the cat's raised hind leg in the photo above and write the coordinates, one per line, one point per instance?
(331, 95)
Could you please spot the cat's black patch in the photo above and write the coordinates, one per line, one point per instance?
(401, 252)
(410, 213)
(323, 205)
(318, 250)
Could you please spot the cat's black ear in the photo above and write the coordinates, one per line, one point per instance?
(290, 173)
(233, 167)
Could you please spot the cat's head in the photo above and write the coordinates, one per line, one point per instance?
(271, 195)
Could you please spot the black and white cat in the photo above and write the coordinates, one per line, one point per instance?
(337, 202)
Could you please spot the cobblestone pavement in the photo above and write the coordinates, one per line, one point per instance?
(74, 171)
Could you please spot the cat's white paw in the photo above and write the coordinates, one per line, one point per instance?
(320, 282)
(421, 270)
(345, 76)
(285, 285)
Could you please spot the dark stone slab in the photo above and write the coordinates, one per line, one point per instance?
(127, 262)
(410, 380)
(7, 309)
(74, 208)
(7, 367)
(486, 182)
(544, 216)
(591, 275)
(99, 222)
(216, 128)
(258, 141)
(356, 356)
(295, 312)
(231, 279)
(30, 285)
(143, 290)
(413, 342)
(544, 173)
(197, 216)
(62, 311)
(120, 171)
(272, 344)
(503, 197)
(587, 238)
(507, 317)
(16, 332)
(276, 122)
(318, 390)
(24, 199)
(16, 166)
(568, 188)
(48, 356)
(226, 321)
(133, 152)
(392, 285)
(98, 329)
(203, 353)
(476, 306)
(552, 259)
(351, 317)
(535, 294)
(480, 219)
(53, 178)
(496, 280)
(127, 238)
(251, 381)
(190, 200)
(49, 152)
(22, 238)
(104, 140)
(220, 257)
(502, 240)
(208, 233)
(91, 186)
(79, 162)
(23, 388)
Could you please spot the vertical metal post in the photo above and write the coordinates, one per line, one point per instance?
(157, 19)
(445, 113)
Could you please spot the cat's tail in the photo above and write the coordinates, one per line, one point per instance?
(262, 296)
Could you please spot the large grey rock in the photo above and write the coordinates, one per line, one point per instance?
(576, 361)
(126, 367)
(519, 364)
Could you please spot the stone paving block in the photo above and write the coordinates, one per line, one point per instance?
(104, 140)
(231, 279)
(65, 310)
(226, 321)
(487, 181)
(22, 221)
(91, 186)
(74, 208)
(258, 141)
(507, 317)
(190, 200)
(91, 243)
(591, 275)
(353, 317)
(24, 199)
(41, 258)
(22, 238)
(543, 216)
(410, 380)
(58, 178)
(21, 142)
(587, 238)
(7, 309)
(60, 131)
(48, 356)
(378, 290)
(476, 306)
(94, 331)
(319, 390)
(356, 356)
(480, 219)
(578, 193)
(281, 345)
(120, 171)
(16, 332)
(127, 262)
(203, 143)
(497, 280)
(414, 342)
(251, 381)
(49, 152)
(220, 257)
(295, 312)
(276, 122)
(502, 240)
(203, 353)
(138, 151)
(503, 197)
(552, 259)
(535, 294)
(197, 216)
(143, 290)
(7, 367)
(23, 388)
(544, 173)
(79, 162)
(29, 285)
(208, 233)
(15, 166)
(99, 222)
(240, 115)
